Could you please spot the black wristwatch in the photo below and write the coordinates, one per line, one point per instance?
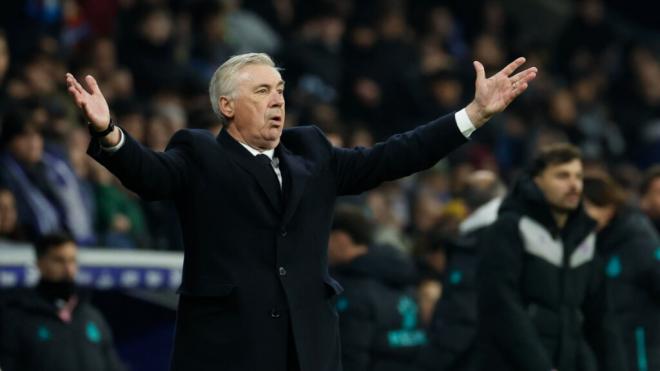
(101, 134)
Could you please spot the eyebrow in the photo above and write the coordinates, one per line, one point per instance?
(279, 84)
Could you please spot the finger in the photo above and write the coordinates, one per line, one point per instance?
(520, 88)
(524, 76)
(79, 87)
(479, 68)
(73, 83)
(74, 89)
(93, 85)
(508, 70)
(79, 101)
(76, 96)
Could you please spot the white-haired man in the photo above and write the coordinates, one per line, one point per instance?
(256, 204)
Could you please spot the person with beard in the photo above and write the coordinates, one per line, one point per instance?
(630, 246)
(649, 200)
(378, 313)
(543, 299)
(52, 327)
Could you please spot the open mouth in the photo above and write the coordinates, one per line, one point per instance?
(277, 119)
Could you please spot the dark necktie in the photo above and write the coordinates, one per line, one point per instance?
(273, 182)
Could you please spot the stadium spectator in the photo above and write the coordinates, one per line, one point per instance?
(53, 327)
(378, 313)
(10, 227)
(542, 290)
(453, 331)
(48, 192)
(631, 249)
(650, 195)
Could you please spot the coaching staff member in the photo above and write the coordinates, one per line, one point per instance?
(255, 205)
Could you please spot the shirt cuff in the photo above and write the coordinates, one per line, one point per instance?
(117, 146)
(464, 124)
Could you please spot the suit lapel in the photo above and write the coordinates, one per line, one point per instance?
(297, 172)
(247, 161)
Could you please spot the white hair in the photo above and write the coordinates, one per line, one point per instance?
(223, 82)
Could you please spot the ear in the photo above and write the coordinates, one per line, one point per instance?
(226, 106)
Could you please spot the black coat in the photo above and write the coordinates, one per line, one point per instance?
(542, 291)
(249, 269)
(378, 312)
(631, 248)
(34, 338)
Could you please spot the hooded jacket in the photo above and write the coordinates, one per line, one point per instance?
(631, 249)
(378, 313)
(542, 293)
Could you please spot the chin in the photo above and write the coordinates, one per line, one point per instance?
(273, 134)
(566, 208)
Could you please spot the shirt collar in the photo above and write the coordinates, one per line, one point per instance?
(270, 152)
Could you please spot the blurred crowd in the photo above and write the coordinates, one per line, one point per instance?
(360, 70)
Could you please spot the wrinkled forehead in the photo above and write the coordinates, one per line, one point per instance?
(258, 74)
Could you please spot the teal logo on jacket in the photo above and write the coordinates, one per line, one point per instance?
(408, 335)
(657, 254)
(43, 333)
(342, 304)
(640, 340)
(455, 277)
(93, 333)
(613, 268)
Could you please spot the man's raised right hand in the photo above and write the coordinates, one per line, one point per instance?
(93, 105)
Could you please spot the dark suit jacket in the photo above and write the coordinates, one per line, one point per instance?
(250, 269)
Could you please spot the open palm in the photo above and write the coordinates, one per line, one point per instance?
(93, 105)
(494, 94)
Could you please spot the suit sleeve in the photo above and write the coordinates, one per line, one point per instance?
(152, 175)
(501, 310)
(600, 323)
(360, 169)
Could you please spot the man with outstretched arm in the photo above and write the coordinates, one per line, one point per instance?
(255, 205)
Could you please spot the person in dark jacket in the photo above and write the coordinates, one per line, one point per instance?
(649, 197)
(52, 327)
(543, 299)
(453, 331)
(255, 206)
(378, 313)
(631, 248)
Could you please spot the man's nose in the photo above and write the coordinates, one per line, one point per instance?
(277, 99)
(576, 184)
